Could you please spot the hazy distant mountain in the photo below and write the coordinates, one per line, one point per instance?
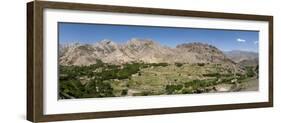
(139, 50)
(243, 57)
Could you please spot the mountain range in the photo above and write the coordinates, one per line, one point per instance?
(148, 51)
(245, 58)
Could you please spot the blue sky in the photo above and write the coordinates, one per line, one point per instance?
(225, 40)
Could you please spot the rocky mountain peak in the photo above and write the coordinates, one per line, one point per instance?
(201, 48)
(139, 45)
(138, 42)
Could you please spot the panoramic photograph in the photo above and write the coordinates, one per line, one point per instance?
(104, 60)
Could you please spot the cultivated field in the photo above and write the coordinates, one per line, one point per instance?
(144, 79)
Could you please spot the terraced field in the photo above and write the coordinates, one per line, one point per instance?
(142, 79)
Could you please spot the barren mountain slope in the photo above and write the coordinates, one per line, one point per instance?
(140, 50)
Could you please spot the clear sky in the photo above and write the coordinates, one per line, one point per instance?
(225, 40)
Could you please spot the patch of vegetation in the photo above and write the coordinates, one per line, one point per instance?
(250, 71)
(159, 64)
(178, 64)
(171, 89)
(201, 64)
(108, 80)
(71, 78)
(211, 75)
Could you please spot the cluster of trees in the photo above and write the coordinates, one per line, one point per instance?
(172, 89)
(178, 64)
(250, 71)
(190, 87)
(70, 81)
(95, 88)
(201, 64)
(196, 86)
(211, 74)
(220, 75)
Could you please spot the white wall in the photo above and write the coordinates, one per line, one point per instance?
(13, 60)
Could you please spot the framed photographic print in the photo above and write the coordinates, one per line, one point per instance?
(97, 61)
